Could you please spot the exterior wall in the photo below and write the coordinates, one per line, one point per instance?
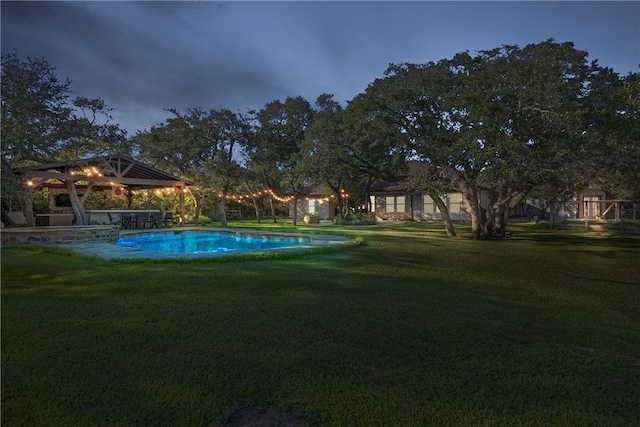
(427, 210)
(557, 212)
(392, 206)
(573, 209)
(417, 207)
(53, 193)
(591, 210)
(313, 206)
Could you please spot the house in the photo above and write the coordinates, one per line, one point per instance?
(390, 200)
(316, 201)
(591, 204)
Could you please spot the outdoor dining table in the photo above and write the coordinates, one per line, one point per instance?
(127, 218)
(138, 219)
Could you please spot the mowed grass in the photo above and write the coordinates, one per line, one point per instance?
(410, 328)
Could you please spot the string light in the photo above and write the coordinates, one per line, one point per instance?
(269, 192)
(88, 171)
(92, 171)
(166, 191)
(266, 192)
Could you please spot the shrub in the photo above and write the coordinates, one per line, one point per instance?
(203, 219)
(353, 218)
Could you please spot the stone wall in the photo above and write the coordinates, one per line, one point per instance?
(58, 235)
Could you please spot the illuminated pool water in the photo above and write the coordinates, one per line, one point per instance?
(198, 242)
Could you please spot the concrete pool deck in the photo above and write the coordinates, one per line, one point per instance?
(111, 251)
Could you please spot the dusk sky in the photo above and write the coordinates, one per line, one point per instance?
(144, 57)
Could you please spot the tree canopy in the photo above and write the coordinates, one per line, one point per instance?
(495, 126)
(40, 125)
(501, 122)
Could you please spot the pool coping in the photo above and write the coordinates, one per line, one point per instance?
(111, 251)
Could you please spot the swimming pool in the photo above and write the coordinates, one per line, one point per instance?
(206, 242)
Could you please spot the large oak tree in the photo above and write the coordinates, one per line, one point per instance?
(40, 125)
(494, 124)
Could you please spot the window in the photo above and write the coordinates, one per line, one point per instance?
(429, 205)
(391, 204)
(64, 200)
(395, 204)
(455, 203)
(312, 206)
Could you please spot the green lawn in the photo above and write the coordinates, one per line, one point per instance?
(410, 328)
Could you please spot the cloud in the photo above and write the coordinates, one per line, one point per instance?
(143, 57)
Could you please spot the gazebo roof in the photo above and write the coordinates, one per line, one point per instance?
(109, 169)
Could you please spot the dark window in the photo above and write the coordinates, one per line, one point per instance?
(64, 201)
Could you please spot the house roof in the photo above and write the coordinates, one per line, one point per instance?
(414, 167)
(319, 190)
(109, 169)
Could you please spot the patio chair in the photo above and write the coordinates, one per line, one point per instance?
(115, 219)
(167, 219)
(156, 219)
(129, 221)
(143, 219)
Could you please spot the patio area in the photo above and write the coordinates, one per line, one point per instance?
(68, 184)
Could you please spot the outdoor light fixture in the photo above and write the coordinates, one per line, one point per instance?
(92, 171)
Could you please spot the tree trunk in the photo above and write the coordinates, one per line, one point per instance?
(340, 201)
(129, 196)
(339, 207)
(183, 211)
(444, 212)
(77, 204)
(255, 205)
(503, 206)
(490, 218)
(470, 195)
(504, 221)
(500, 220)
(196, 217)
(273, 210)
(196, 199)
(295, 210)
(255, 200)
(198, 206)
(223, 214)
(223, 200)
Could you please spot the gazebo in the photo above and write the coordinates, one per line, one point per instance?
(117, 173)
